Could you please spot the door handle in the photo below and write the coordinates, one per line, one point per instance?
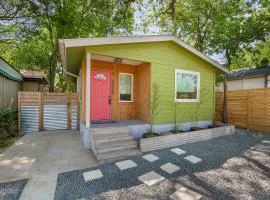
(110, 100)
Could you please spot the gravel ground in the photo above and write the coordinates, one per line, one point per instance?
(232, 167)
(12, 190)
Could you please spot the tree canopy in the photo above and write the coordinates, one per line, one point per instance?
(30, 29)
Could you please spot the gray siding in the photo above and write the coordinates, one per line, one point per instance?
(9, 91)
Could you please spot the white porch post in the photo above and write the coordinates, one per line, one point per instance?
(87, 93)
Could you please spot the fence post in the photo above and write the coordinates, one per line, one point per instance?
(40, 111)
(248, 110)
(69, 110)
(19, 112)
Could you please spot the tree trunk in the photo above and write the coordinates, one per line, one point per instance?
(52, 72)
(225, 105)
(54, 61)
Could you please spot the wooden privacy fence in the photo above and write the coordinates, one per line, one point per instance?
(47, 111)
(246, 108)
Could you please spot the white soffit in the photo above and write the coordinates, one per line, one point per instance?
(111, 59)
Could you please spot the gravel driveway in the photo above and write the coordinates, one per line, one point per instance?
(232, 167)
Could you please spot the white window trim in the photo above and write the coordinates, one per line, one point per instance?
(198, 85)
(121, 101)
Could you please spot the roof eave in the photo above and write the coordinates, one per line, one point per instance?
(80, 42)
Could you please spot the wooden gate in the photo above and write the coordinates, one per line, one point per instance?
(47, 111)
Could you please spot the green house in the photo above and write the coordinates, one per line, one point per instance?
(119, 79)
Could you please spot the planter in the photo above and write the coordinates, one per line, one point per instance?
(170, 140)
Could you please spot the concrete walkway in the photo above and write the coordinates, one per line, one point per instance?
(40, 157)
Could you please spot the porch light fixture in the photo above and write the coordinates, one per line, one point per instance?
(117, 60)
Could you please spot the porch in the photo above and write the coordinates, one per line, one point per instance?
(118, 89)
(115, 95)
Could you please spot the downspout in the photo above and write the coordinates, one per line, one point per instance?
(73, 75)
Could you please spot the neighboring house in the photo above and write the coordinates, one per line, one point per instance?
(34, 81)
(10, 84)
(116, 76)
(251, 78)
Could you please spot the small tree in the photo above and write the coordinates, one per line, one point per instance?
(202, 97)
(154, 105)
(173, 109)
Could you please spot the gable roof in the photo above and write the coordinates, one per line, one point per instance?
(9, 71)
(249, 73)
(83, 42)
(37, 76)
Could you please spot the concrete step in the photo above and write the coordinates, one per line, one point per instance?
(117, 143)
(110, 131)
(116, 139)
(115, 147)
(115, 155)
(109, 134)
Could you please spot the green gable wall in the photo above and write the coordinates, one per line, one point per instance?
(165, 57)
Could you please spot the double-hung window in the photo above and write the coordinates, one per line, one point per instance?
(187, 86)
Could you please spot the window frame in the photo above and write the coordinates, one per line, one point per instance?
(198, 85)
(119, 95)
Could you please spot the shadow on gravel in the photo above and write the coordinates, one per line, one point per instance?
(226, 172)
(12, 190)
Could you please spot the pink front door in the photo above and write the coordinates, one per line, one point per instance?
(100, 95)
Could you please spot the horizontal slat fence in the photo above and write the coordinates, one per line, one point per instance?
(246, 108)
(47, 111)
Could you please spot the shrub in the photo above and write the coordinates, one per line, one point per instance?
(8, 117)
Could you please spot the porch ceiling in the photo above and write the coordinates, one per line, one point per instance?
(75, 56)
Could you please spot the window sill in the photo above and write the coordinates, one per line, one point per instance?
(187, 100)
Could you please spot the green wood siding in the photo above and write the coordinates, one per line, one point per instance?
(165, 57)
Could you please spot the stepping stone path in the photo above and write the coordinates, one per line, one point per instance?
(193, 159)
(185, 194)
(92, 175)
(178, 151)
(170, 168)
(150, 157)
(126, 164)
(151, 178)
